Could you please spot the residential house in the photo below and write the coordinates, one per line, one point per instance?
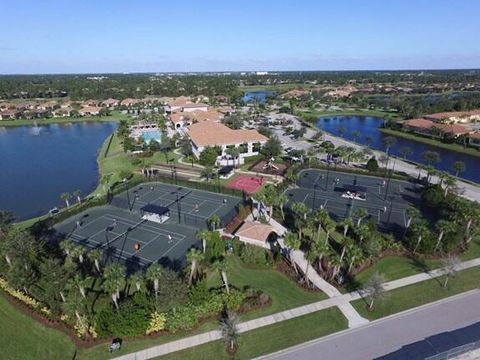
(90, 102)
(474, 139)
(10, 114)
(89, 110)
(62, 112)
(128, 102)
(455, 117)
(110, 103)
(433, 129)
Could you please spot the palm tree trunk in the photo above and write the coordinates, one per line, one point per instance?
(446, 281)
(440, 237)
(370, 306)
(204, 244)
(418, 243)
(97, 265)
(114, 298)
(225, 281)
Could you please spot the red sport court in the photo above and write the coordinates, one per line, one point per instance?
(248, 183)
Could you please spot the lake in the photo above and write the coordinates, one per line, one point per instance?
(39, 164)
(260, 96)
(368, 127)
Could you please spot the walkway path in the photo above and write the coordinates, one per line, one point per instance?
(298, 256)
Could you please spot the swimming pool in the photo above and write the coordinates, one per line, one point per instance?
(152, 135)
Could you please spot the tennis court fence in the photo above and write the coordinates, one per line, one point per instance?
(455, 352)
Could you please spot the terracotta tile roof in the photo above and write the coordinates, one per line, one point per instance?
(210, 133)
(419, 123)
(180, 101)
(452, 128)
(194, 105)
(452, 114)
(475, 135)
(89, 109)
(255, 231)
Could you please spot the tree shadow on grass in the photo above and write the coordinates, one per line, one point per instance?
(421, 265)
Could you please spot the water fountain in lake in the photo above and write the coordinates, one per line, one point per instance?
(35, 129)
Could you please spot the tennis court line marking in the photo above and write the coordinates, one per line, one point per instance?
(155, 229)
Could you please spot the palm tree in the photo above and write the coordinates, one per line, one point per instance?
(77, 194)
(65, 196)
(207, 173)
(138, 279)
(229, 330)
(336, 263)
(458, 167)
(311, 256)
(431, 157)
(67, 246)
(412, 213)
(300, 210)
(214, 221)
(282, 199)
(389, 141)
(450, 267)
(360, 214)
(355, 135)
(114, 276)
(375, 288)
(405, 151)
(234, 152)
(194, 257)
(355, 256)
(321, 249)
(203, 235)
(78, 251)
(95, 256)
(154, 273)
(347, 223)
(73, 304)
(443, 227)
(420, 230)
(222, 266)
(328, 226)
(368, 141)
(80, 283)
(449, 182)
(292, 242)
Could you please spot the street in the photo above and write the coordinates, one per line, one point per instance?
(389, 335)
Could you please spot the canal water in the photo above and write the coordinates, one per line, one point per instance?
(368, 126)
(38, 164)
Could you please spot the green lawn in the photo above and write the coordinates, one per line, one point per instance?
(117, 160)
(270, 338)
(452, 147)
(419, 294)
(22, 337)
(396, 267)
(285, 294)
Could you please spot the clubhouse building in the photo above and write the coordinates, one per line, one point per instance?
(214, 134)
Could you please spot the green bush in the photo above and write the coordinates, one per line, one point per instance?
(131, 319)
(254, 255)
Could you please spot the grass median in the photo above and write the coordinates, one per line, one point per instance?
(270, 338)
(419, 294)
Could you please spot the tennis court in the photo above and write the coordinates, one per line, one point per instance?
(122, 234)
(386, 200)
(187, 206)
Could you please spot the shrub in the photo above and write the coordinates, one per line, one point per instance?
(157, 323)
(433, 196)
(254, 255)
(372, 164)
(131, 319)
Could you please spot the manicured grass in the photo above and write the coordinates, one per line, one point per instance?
(114, 116)
(270, 338)
(396, 267)
(452, 147)
(22, 337)
(117, 160)
(285, 294)
(419, 294)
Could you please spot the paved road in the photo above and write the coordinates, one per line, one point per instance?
(388, 335)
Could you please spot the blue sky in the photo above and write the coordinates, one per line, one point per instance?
(45, 36)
